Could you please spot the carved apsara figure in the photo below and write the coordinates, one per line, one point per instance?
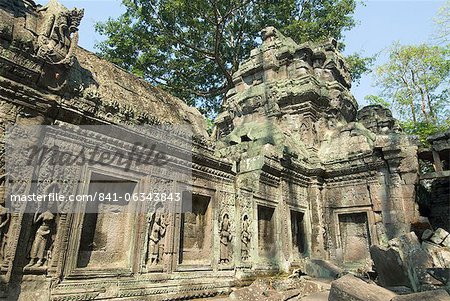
(3, 177)
(307, 136)
(4, 223)
(39, 246)
(156, 238)
(225, 239)
(245, 238)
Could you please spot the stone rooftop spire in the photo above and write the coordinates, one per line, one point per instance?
(298, 91)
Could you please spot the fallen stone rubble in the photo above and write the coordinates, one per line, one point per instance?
(280, 289)
(419, 266)
(351, 288)
(407, 269)
(346, 288)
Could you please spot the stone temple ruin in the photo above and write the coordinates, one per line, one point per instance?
(295, 176)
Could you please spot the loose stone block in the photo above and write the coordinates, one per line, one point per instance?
(322, 269)
(439, 255)
(389, 268)
(446, 242)
(437, 295)
(258, 290)
(403, 263)
(350, 288)
(427, 234)
(439, 236)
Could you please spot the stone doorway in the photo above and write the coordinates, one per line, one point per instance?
(106, 234)
(195, 232)
(266, 232)
(354, 237)
(298, 234)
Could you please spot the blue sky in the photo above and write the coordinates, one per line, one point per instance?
(381, 22)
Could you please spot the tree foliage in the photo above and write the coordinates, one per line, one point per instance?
(415, 82)
(193, 47)
(359, 65)
(442, 21)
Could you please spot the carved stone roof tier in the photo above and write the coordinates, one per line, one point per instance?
(113, 94)
(440, 141)
(282, 90)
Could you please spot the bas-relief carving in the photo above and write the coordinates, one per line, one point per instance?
(5, 217)
(245, 209)
(58, 33)
(157, 225)
(43, 40)
(246, 235)
(308, 133)
(40, 252)
(42, 240)
(49, 33)
(226, 225)
(225, 239)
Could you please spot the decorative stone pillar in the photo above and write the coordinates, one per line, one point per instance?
(316, 208)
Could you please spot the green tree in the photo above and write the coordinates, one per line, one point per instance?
(415, 82)
(377, 100)
(442, 21)
(359, 65)
(192, 47)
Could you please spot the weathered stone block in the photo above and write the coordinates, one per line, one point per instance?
(433, 251)
(445, 255)
(437, 295)
(257, 291)
(322, 296)
(322, 269)
(403, 263)
(442, 276)
(388, 264)
(350, 288)
(378, 195)
(446, 242)
(439, 236)
(410, 178)
(427, 234)
(440, 255)
(420, 225)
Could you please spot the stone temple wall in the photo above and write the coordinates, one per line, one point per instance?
(292, 171)
(351, 173)
(434, 188)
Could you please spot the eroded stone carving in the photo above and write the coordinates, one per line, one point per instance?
(43, 40)
(58, 32)
(158, 224)
(38, 253)
(225, 239)
(245, 238)
(4, 227)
